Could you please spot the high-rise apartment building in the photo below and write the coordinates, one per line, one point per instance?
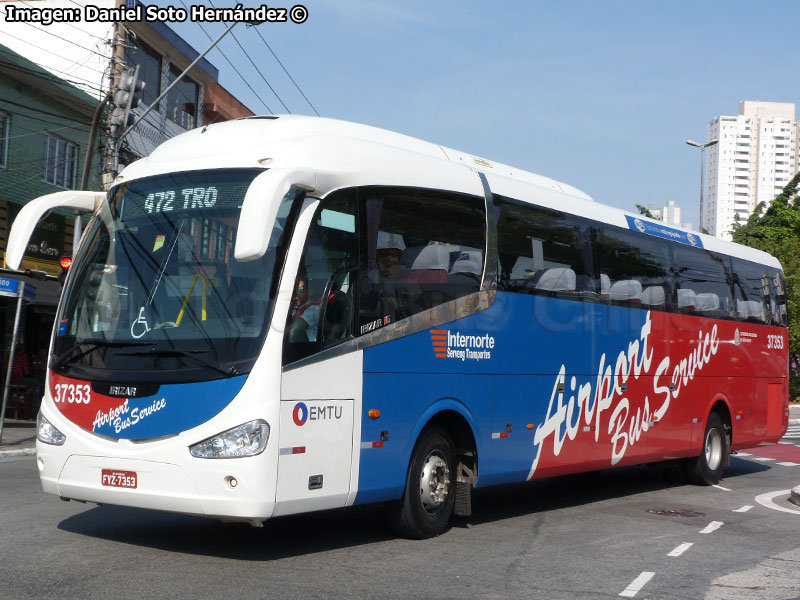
(670, 214)
(755, 158)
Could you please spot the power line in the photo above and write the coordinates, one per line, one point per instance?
(35, 131)
(45, 112)
(38, 174)
(256, 67)
(53, 78)
(49, 52)
(285, 71)
(83, 31)
(61, 38)
(232, 65)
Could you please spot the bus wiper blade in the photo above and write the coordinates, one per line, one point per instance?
(172, 352)
(70, 355)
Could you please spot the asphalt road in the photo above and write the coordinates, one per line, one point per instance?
(633, 532)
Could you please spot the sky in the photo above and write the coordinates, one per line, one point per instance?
(601, 95)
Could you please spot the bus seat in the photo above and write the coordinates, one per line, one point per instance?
(626, 290)
(687, 299)
(468, 261)
(465, 274)
(559, 279)
(430, 266)
(750, 309)
(707, 302)
(654, 296)
(605, 285)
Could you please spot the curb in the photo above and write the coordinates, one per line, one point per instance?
(795, 497)
(18, 452)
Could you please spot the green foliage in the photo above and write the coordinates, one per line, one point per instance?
(643, 210)
(775, 228)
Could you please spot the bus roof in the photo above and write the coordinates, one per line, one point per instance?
(292, 140)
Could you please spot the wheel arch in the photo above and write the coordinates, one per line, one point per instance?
(455, 418)
(720, 405)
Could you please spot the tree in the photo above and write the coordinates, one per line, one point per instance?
(643, 210)
(775, 228)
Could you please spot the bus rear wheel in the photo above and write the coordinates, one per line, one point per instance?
(707, 468)
(427, 503)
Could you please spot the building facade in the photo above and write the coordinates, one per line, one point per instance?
(755, 157)
(44, 132)
(669, 214)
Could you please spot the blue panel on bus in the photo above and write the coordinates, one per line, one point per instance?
(175, 408)
(524, 346)
(662, 231)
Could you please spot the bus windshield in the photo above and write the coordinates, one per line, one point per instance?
(156, 294)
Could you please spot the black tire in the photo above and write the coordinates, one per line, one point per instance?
(427, 503)
(707, 468)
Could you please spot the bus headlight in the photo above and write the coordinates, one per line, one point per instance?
(47, 433)
(247, 439)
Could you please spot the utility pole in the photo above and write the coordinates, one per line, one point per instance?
(116, 71)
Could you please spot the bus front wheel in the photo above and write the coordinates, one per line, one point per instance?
(427, 503)
(707, 468)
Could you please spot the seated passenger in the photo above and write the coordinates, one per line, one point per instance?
(303, 315)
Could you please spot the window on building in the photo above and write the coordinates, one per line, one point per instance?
(4, 121)
(60, 162)
(149, 62)
(181, 101)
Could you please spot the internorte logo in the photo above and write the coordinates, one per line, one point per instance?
(448, 344)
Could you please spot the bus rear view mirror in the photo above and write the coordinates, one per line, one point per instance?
(260, 208)
(33, 211)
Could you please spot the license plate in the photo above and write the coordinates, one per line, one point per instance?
(123, 479)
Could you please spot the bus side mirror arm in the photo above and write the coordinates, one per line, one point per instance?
(33, 211)
(260, 208)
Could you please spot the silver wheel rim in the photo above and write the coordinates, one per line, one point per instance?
(434, 482)
(713, 449)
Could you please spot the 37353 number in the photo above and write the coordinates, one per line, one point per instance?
(72, 393)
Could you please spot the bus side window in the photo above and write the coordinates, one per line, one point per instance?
(709, 276)
(322, 302)
(751, 288)
(543, 252)
(634, 266)
(423, 248)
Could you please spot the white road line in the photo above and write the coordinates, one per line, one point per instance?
(744, 509)
(743, 454)
(787, 464)
(766, 500)
(763, 458)
(713, 526)
(637, 584)
(680, 549)
(719, 487)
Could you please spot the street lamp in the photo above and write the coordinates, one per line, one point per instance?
(702, 168)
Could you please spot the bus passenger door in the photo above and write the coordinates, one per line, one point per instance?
(316, 434)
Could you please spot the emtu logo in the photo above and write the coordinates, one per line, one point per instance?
(300, 414)
(439, 339)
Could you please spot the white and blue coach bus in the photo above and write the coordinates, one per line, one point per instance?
(284, 314)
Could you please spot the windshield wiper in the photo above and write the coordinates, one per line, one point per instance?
(175, 353)
(70, 355)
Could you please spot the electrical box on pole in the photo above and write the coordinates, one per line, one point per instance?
(127, 96)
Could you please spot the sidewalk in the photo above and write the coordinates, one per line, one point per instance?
(19, 438)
